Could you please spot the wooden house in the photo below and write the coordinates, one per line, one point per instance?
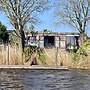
(54, 39)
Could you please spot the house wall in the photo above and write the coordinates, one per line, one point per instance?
(60, 39)
(57, 41)
(63, 42)
(41, 41)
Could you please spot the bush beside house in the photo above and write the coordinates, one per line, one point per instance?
(81, 58)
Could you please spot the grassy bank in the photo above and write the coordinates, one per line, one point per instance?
(49, 57)
(81, 58)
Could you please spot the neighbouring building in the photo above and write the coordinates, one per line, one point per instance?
(54, 39)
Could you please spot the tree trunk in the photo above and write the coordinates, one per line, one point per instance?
(20, 52)
(21, 45)
(82, 38)
(21, 39)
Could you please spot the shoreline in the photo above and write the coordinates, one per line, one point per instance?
(36, 67)
(33, 67)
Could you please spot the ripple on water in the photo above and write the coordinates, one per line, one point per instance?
(25, 79)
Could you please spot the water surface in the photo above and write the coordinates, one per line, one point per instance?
(26, 79)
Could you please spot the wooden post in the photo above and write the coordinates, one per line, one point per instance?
(3, 54)
(56, 56)
(7, 54)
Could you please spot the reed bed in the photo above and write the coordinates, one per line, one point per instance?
(10, 55)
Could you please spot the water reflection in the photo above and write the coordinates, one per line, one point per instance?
(25, 79)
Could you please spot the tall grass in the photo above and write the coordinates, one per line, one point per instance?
(82, 57)
(51, 59)
(10, 55)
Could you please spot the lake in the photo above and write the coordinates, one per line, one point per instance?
(32, 79)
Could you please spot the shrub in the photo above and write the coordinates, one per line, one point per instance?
(82, 52)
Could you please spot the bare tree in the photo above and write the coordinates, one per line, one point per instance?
(20, 12)
(75, 13)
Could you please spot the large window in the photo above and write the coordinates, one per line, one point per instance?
(70, 40)
(32, 39)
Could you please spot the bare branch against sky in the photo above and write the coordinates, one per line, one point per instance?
(74, 13)
(20, 12)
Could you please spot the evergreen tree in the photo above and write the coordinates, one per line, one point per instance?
(4, 37)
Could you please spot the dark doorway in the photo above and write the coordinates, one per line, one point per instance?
(48, 41)
(77, 43)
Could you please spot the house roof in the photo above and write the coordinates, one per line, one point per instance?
(56, 34)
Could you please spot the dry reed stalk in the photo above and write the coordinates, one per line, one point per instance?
(84, 62)
(67, 59)
(63, 57)
(20, 61)
(38, 61)
(50, 56)
(1, 58)
(3, 55)
(23, 57)
(16, 56)
(12, 56)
